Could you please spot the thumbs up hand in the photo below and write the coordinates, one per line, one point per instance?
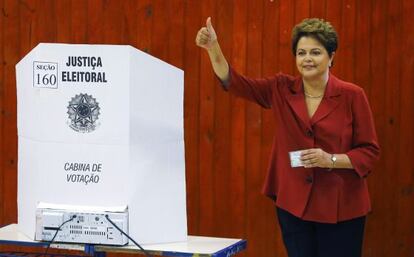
(206, 36)
(207, 39)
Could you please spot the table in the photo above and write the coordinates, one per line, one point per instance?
(194, 246)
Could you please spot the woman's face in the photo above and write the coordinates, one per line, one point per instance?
(312, 59)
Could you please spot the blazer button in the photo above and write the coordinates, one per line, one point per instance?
(309, 179)
(309, 133)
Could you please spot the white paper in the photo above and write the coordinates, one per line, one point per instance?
(295, 159)
(43, 205)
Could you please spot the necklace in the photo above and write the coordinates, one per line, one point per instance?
(312, 96)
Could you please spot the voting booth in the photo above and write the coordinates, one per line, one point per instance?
(102, 125)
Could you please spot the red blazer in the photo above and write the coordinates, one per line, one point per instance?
(342, 123)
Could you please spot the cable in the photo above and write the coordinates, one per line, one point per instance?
(122, 232)
(54, 236)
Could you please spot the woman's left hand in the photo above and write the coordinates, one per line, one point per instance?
(316, 157)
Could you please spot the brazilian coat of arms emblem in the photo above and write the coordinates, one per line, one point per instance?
(83, 111)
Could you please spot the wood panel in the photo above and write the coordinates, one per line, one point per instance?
(223, 183)
(405, 182)
(237, 120)
(269, 62)
(363, 79)
(2, 86)
(228, 140)
(95, 8)
(144, 13)
(393, 122)
(381, 202)
(78, 18)
(12, 55)
(193, 22)
(206, 133)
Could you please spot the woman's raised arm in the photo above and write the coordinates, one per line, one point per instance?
(207, 39)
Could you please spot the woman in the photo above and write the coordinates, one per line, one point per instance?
(325, 144)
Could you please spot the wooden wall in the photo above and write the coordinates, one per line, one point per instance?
(227, 139)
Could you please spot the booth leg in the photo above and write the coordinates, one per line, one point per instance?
(99, 254)
(90, 249)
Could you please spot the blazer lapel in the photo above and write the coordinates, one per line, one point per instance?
(325, 107)
(330, 101)
(297, 103)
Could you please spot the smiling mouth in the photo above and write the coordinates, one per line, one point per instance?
(308, 67)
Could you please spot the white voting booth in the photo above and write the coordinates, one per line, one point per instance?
(102, 125)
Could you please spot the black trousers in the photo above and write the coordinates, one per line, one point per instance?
(313, 239)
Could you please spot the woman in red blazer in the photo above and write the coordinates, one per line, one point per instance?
(325, 143)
